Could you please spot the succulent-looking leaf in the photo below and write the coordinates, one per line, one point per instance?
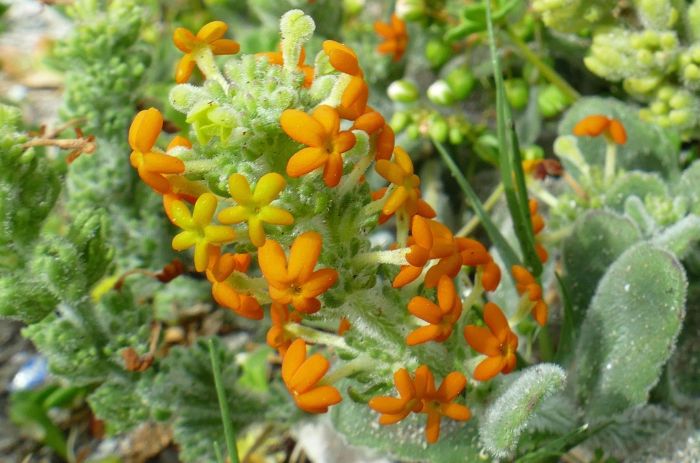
(637, 211)
(508, 416)
(683, 370)
(681, 236)
(640, 184)
(118, 403)
(629, 331)
(598, 238)
(688, 186)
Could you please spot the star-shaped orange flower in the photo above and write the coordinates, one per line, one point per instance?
(525, 283)
(395, 37)
(301, 375)
(497, 342)
(220, 273)
(441, 317)
(325, 142)
(598, 124)
(294, 281)
(210, 35)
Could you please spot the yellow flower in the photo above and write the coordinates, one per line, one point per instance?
(198, 230)
(254, 207)
(400, 173)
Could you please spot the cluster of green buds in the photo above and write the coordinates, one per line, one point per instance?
(573, 15)
(673, 106)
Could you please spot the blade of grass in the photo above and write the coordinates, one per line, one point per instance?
(510, 164)
(566, 337)
(507, 253)
(223, 405)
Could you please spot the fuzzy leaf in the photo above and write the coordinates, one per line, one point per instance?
(688, 186)
(629, 331)
(25, 297)
(638, 184)
(184, 389)
(509, 415)
(681, 236)
(118, 403)
(637, 211)
(599, 237)
(683, 370)
(458, 442)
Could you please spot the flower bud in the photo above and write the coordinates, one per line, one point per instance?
(410, 10)
(461, 81)
(456, 137)
(437, 52)
(517, 93)
(399, 121)
(551, 101)
(403, 91)
(440, 93)
(438, 128)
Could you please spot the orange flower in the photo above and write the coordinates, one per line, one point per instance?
(537, 226)
(295, 281)
(384, 144)
(254, 207)
(276, 57)
(320, 132)
(210, 36)
(497, 342)
(152, 167)
(198, 230)
(422, 208)
(353, 103)
(395, 37)
(220, 273)
(525, 283)
(597, 124)
(371, 121)
(441, 317)
(342, 58)
(400, 173)
(301, 375)
(343, 326)
(277, 337)
(419, 396)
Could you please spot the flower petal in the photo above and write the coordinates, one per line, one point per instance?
(404, 384)
(425, 309)
(423, 334)
(225, 47)
(387, 405)
(456, 411)
(306, 160)
(268, 188)
(489, 368)
(184, 39)
(303, 256)
(495, 320)
(239, 189)
(328, 118)
(432, 427)
(319, 282)
(303, 128)
(296, 354)
(212, 31)
(273, 261)
(482, 340)
(204, 209)
(452, 386)
(145, 129)
(333, 170)
(309, 373)
(318, 399)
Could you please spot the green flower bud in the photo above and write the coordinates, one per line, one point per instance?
(410, 10)
(551, 101)
(353, 7)
(532, 152)
(438, 128)
(461, 81)
(437, 52)
(413, 132)
(690, 68)
(573, 15)
(642, 86)
(403, 91)
(399, 121)
(692, 20)
(517, 93)
(456, 136)
(440, 93)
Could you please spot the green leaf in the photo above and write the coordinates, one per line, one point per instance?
(649, 147)
(26, 410)
(405, 440)
(507, 252)
(629, 331)
(118, 403)
(640, 184)
(25, 297)
(597, 240)
(688, 186)
(683, 370)
(567, 336)
(184, 389)
(510, 162)
(680, 237)
(638, 212)
(508, 416)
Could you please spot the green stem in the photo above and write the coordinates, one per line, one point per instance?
(206, 63)
(361, 363)
(315, 336)
(351, 180)
(610, 155)
(544, 341)
(394, 257)
(490, 202)
(199, 166)
(547, 71)
(223, 405)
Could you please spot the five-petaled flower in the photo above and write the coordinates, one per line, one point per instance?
(209, 36)
(497, 342)
(525, 283)
(301, 375)
(152, 166)
(254, 207)
(419, 395)
(220, 271)
(325, 142)
(395, 37)
(406, 194)
(441, 317)
(597, 124)
(198, 230)
(295, 281)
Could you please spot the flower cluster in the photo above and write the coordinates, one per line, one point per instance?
(281, 201)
